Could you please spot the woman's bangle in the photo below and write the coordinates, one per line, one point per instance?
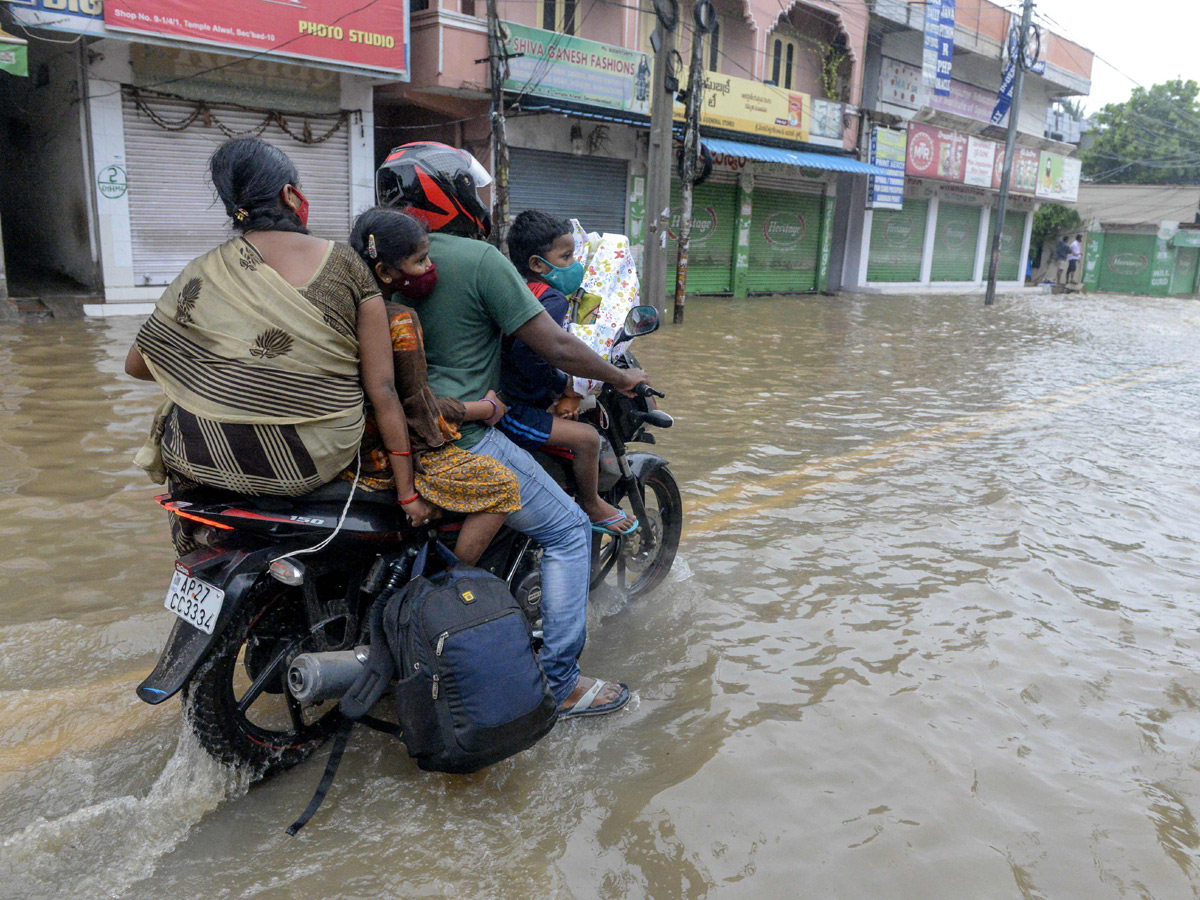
(409, 500)
(407, 452)
(495, 408)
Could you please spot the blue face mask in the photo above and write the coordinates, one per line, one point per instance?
(565, 278)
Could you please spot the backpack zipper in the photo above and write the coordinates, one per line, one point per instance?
(435, 686)
(441, 642)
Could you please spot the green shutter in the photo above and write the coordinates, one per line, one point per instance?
(1127, 263)
(954, 243)
(1010, 246)
(710, 248)
(1183, 276)
(785, 240)
(897, 239)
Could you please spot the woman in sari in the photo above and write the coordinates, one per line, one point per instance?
(264, 346)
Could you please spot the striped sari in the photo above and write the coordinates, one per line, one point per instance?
(261, 377)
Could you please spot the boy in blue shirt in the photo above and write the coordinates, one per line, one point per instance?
(542, 408)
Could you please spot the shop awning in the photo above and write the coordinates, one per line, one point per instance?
(794, 157)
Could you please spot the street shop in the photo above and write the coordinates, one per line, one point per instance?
(1162, 262)
(935, 224)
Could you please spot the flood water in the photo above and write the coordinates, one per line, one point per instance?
(932, 633)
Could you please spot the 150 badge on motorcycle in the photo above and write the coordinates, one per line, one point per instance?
(196, 602)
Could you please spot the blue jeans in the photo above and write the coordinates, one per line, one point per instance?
(556, 522)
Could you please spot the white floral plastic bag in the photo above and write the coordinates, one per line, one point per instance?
(610, 290)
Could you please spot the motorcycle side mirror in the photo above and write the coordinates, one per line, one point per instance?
(642, 320)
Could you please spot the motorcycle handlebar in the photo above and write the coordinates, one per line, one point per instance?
(644, 390)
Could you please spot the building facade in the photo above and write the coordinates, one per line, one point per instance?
(931, 225)
(120, 114)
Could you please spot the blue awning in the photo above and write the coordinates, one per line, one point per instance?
(794, 157)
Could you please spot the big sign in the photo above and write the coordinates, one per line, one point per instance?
(371, 36)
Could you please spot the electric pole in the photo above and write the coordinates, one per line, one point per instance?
(498, 69)
(691, 150)
(1014, 112)
(658, 169)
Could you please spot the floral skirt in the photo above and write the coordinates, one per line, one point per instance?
(458, 481)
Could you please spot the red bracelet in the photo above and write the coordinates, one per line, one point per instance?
(407, 452)
(409, 500)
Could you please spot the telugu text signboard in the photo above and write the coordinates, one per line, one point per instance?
(561, 67)
(738, 104)
(981, 162)
(371, 37)
(1024, 172)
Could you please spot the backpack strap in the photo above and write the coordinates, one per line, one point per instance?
(537, 288)
(331, 767)
(377, 671)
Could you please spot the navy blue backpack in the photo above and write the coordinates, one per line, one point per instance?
(469, 688)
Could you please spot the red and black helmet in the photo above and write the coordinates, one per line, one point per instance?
(438, 184)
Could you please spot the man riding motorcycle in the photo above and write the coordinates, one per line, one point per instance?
(479, 299)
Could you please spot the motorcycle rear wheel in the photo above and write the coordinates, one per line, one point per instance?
(237, 701)
(640, 571)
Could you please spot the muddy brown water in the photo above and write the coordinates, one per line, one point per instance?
(932, 633)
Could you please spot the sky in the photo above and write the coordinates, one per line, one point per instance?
(1151, 41)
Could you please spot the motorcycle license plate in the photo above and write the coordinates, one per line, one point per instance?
(196, 602)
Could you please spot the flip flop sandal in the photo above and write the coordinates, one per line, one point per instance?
(584, 706)
(603, 526)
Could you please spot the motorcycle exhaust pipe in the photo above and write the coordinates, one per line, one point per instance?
(314, 677)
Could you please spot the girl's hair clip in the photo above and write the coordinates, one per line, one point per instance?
(371, 251)
(241, 215)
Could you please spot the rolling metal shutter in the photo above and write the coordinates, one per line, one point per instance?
(1128, 263)
(588, 188)
(954, 243)
(1010, 246)
(173, 210)
(1183, 275)
(897, 239)
(785, 241)
(710, 247)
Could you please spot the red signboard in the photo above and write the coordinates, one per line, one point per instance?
(1024, 173)
(371, 36)
(935, 153)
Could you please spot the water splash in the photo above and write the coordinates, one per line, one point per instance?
(101, 849)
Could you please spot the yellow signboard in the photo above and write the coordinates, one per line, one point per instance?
(739, 104)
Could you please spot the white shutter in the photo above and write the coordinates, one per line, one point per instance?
(588, 188)
(174, 212)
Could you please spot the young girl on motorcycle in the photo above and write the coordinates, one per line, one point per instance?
(395, 247)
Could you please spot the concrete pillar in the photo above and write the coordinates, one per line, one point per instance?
(828, 211)
(741, 250)
(982, 244)
(1025, 238)
(865, 255)
(931, 217)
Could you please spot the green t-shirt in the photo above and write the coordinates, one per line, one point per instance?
(479, 297)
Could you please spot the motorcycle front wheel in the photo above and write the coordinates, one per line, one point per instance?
(237, 702)
(642, 561)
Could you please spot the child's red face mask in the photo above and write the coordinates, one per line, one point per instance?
(418, 287)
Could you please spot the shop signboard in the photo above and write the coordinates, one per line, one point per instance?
(938, 55)
(900, 85)
(739, 104)
(825, 123)
(1186, 239)
(1057, 177)
(14, 55)
(981, 162)
(888, 147)
(75, 16)
(935, 153)
(371, 37)
(1024, 173)
(560, 67)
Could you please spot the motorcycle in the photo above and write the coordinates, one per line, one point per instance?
(272, 608)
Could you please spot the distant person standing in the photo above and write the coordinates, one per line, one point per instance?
(1062, 251)
(1074, 253)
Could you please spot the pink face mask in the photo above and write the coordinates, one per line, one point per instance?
(418, 287)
